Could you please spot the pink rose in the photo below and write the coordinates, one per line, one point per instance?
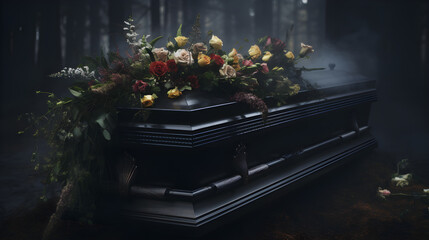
(264, 68)
(247, 63)
(268, 42)
(383, 193)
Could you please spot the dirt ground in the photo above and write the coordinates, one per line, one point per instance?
(341, 205)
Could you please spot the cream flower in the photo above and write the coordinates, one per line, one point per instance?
(305, 49)
(402, 180)
(267, 56)
(160, 54)
(181, 41)
(216, 43)
(227, 71)
(183, 57)
(254, 52)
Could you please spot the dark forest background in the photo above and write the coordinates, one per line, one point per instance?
(384, 39)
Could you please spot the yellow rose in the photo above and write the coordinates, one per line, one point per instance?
(181, 41)
(203, 60)
(290, 55)
(174, 93)
(254, 52)
(147, 100)
(236, 64)
(267, 56)
(170, 45)
(233, 53)
(216, 43)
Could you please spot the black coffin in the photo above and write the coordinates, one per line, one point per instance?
(199, 159)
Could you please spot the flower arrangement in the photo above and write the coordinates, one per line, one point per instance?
(78, 129)
(268, 69)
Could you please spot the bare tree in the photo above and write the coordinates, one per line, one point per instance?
(155, 17)
(263, 17)
(95, 26)
(75, 31)
(118, 12)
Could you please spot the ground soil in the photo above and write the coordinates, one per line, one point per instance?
(340, 205)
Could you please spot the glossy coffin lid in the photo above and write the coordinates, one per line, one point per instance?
(197, 118)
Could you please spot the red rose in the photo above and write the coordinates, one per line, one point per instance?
(140, 86)
(276, 44)
(195, 83)
(218, 60)
(172, 66)
(158, 68)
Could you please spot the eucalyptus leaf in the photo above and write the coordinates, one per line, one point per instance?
(186, 87)
(77, 132)
(75, 93)
(101, 120)
(106, 135)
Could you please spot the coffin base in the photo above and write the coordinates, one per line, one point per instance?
(202, 215)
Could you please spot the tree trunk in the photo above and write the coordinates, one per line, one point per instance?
(155, 18)
(49, 57)
(75, 32)
(18, 47)
(55, 219)
(263, 18)
(95, 27)
(187, 18)
(173, 21)
(119, 11)
(165, 27)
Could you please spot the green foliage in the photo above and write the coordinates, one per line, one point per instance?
(208, 81)
(78, 131)
(179, 31)
(149, 51)
(152, 43)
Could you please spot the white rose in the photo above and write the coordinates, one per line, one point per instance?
(160, 54)
(183, 57)
(227, 71)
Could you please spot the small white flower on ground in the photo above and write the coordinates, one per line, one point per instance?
(402, 180)
(383, 193)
